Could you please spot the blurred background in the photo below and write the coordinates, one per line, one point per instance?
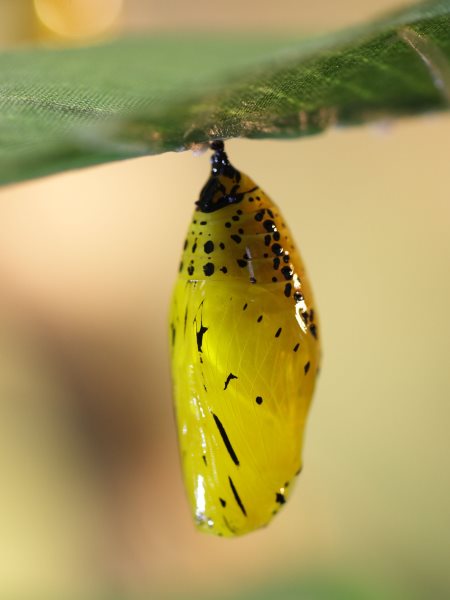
(91, 499)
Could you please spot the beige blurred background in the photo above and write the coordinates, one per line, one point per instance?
(91, 500)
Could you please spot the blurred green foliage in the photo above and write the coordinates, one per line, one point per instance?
(69, 108)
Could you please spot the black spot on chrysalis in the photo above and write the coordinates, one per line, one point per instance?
(208, 269)
(229, 378)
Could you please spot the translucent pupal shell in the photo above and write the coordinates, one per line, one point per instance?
(245, 350)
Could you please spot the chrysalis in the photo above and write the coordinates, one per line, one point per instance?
(245, 353)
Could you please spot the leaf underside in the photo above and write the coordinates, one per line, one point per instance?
(69, 108)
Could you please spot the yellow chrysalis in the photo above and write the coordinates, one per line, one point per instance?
(245, 354)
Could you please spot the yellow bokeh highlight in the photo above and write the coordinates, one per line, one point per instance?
(78, 18)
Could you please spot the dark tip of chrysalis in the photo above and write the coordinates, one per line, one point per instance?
(219, 160)
(218, 145)
(222, 188)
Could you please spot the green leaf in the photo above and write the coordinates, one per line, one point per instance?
(63, 109)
